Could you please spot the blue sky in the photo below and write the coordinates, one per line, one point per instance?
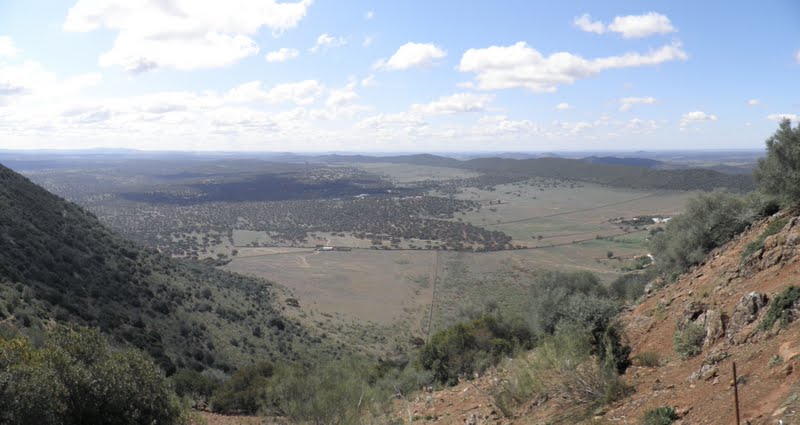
(396, 76)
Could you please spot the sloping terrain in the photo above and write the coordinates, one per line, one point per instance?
(58, 263)
(739, 301)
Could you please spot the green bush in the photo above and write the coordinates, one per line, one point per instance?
(471, 347)
(76, 379)
(630, 287)
(778, 173)
(245, 392)
(688, 342)
(780, 310)
(549, 294)
(561, 367)
(648, 359)
(328, 394)
(710, 221)
(193, 384)
(663, 415)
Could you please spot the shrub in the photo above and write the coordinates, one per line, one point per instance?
(245, 391)
(630, 287)
(648, 359)
(663, 415)
(470, 347)
(549, 292)
(193, 384)
(76, 379)
(327, 394)
(780, 310)
(778, 173)
(710, 221)
(688, 342)
(562, 368)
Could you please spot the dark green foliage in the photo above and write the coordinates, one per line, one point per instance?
(578, 299)
(193, 384)
(781, 308)
(778, 173)
(630, 287)
(328, 394)
(772, 228)
(549, 296)
(470, 347)
(663, 415)
(245, 391)
(710, 221)
(688, 342)
(76, 379)
(57, 261)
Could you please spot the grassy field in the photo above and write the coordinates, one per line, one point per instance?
(565, 212)
(381, 299)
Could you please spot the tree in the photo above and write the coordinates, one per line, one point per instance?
(76, 379)
(778, 173)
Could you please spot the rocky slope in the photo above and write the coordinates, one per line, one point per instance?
(729, 299)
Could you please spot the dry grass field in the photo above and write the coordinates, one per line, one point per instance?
(383, 298)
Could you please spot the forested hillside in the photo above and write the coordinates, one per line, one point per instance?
(630, 174)
(58, 263)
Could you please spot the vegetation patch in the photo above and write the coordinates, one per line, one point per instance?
(75, 378)
(688, 342)
(471, 347)
(664, 415)
(772, 228)
(709, 222)
(648, 359)
(781, 308)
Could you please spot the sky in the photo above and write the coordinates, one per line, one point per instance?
(404, 76)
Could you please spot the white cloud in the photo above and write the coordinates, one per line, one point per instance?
(630, 26)
(563, 106)
(586, 24)
(369, 81)
(781, 117)
(282, 55)
(369, 15)
(327, 41)
(626, 103)
(342, 96)
(30, 78)
(411, 55)
(453, 104)
(638, 26)
(520, 66)
(7, 47)
(753, 102)
(301, 93)
(182, 34)
(797, 56)
(368, 40)
(695, 117)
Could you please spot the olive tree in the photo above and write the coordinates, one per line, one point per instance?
(778, 173)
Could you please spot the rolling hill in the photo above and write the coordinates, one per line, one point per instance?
(59, 264)
(616, 172)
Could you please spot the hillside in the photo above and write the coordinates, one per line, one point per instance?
(732, 298)
(630, 162)
(614, 175)
(617, 172)
(58, 263)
